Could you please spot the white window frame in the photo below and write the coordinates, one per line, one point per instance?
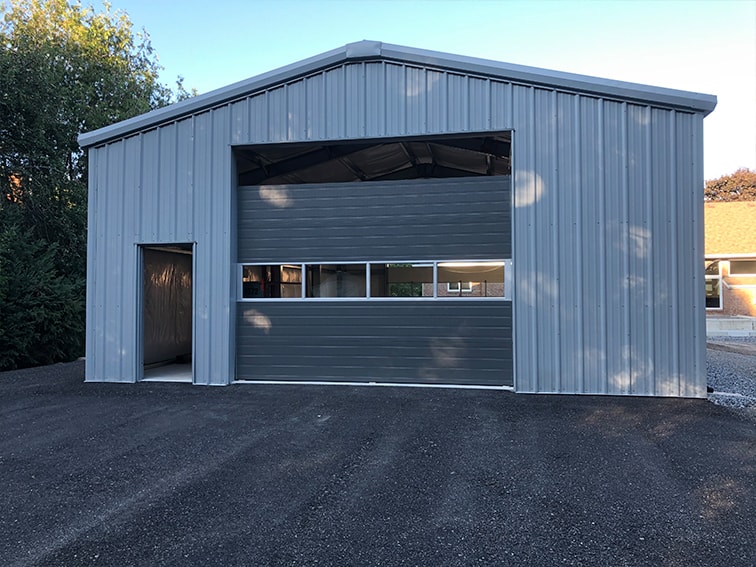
(735, 261)
(720, 279)
(464, 287)
(505, 263)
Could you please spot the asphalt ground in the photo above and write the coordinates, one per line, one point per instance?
(174, 474)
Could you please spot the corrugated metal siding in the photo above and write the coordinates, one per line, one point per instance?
(163, 186)
(607, 224)
(608, 213)
(390, 220)
(449, 342)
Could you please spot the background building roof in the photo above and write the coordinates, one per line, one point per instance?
(730, 228)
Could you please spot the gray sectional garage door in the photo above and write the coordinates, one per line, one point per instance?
(446, 341)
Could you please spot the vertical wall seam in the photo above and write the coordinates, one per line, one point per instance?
(699, 247)
(106, 202)
(384, 118)
(533, 238)
(512, 236)
(489, 110)
(190, 235)
(426, 101)
(673, 189)
(90, 346)
(121, 257)
(175, 212)
(628, 386)
(557, 298)
(578, 232)
(602, 248)
(364, 110)
(648, 224)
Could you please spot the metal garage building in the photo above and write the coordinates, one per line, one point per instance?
(385, 214)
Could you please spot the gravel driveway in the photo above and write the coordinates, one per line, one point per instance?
(171, 474)
(731, 372)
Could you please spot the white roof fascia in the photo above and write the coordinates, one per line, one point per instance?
(362, 50)
(728, 256)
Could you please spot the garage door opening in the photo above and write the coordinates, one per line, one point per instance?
(384, 159)
(167, 320)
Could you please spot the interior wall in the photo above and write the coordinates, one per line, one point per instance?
(167, 305)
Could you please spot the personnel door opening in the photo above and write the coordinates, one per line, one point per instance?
(167, 320)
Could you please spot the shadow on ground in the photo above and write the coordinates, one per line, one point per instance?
(171, 474)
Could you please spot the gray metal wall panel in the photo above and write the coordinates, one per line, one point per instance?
(640, 284)
(130, 351)
(315, 108)
(436, 105)
(278, 120)
(258, 118)
(631, 169)
(568, 216)
(166, 185)
(217, 260)
(185, 160)
(355, 100)
(697, 350)
(395, 99)
(111, 325)
(296, 111)
(239, 121)
(562, 165)
(375, 115)
(389, 341)
(335, 104)
(203, 280)
(500, 105)
(416, 100)
(418, 220)
(150, 197)
(662, 258)
(458, 105)
(94, 261)
(591, 244)
(479, 104)
(95, 348)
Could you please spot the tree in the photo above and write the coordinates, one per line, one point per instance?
(65, 69)
(40, 309)
(737, 186)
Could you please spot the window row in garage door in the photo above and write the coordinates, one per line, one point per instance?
(376, 280)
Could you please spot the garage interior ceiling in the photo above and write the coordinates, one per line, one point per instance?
(377, 160)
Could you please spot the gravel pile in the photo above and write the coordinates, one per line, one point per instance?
(732, 374)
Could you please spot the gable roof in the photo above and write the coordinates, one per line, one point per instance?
(730, 228)
(376, 50)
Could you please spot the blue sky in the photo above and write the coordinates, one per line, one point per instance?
(694, 45)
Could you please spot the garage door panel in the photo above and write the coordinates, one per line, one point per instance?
(445, 341)
(388, 341)
(420, 219)
(398, 375)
